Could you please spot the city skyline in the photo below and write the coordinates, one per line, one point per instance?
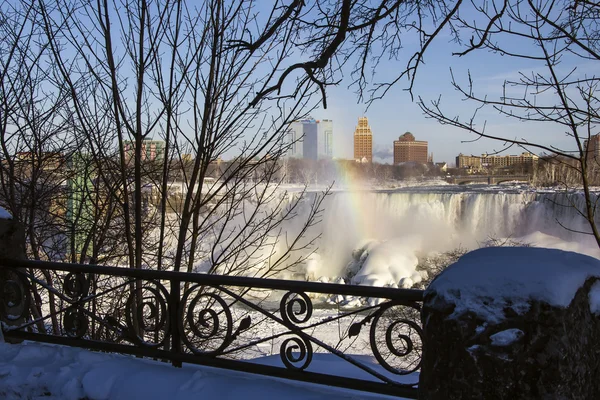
(397, 112)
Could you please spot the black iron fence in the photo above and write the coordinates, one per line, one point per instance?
(273, 327)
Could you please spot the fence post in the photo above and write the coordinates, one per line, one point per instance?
(12, 239)
(174, 301)
(12, 247)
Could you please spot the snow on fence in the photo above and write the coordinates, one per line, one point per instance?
(221, 321)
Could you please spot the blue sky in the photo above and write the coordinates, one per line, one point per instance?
(397, 113)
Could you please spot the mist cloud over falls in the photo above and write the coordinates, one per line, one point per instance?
(377, 237)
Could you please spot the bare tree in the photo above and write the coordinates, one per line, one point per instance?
(33, 129)
(181, 74)
(562, 37)
(98, 85)
(204, 79)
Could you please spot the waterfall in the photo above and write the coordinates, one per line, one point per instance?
(440, 219)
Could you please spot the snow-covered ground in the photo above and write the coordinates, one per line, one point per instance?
(340, 185)
(41, 371)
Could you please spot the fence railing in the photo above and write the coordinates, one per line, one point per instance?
(280, 328)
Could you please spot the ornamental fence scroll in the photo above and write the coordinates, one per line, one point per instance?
(265, 326)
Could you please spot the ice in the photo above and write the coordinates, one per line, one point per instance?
(312, 265)
(439, 219)
(393, 227)
(406, 283)
(392, 262)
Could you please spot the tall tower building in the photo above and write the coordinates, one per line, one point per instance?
(295, 140)
(310, 139)
(363, 141)
(325, 138)
(406, 148)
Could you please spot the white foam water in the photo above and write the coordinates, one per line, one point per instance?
(439, 219)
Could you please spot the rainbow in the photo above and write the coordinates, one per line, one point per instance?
(356, 204)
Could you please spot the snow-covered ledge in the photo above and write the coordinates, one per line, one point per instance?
(513, 322)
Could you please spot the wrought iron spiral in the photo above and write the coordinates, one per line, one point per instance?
(75, 323)
(14, 297)
(295, 308)
(205, 321)
(396, 339)
(76, 285)
(147, 314)
(296, 353)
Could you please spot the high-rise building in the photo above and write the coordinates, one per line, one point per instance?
(310, 139)
(325, 138)
(80, 210)
(406, 148)
(295, 140)
(152, 150)
(592, 146)
(363, 141)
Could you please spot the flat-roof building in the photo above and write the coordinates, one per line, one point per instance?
(406, 148)
(477, 163)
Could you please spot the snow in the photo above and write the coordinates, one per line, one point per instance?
(594, 297)
(377, 184)
(483, 280)
(540, 239)
(31, 370)
(4, 214)
(506, 337)
(391, 263)
(480, 328)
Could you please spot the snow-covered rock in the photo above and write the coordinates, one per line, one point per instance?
(483, 280)
(513, 322)
(4, 214)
